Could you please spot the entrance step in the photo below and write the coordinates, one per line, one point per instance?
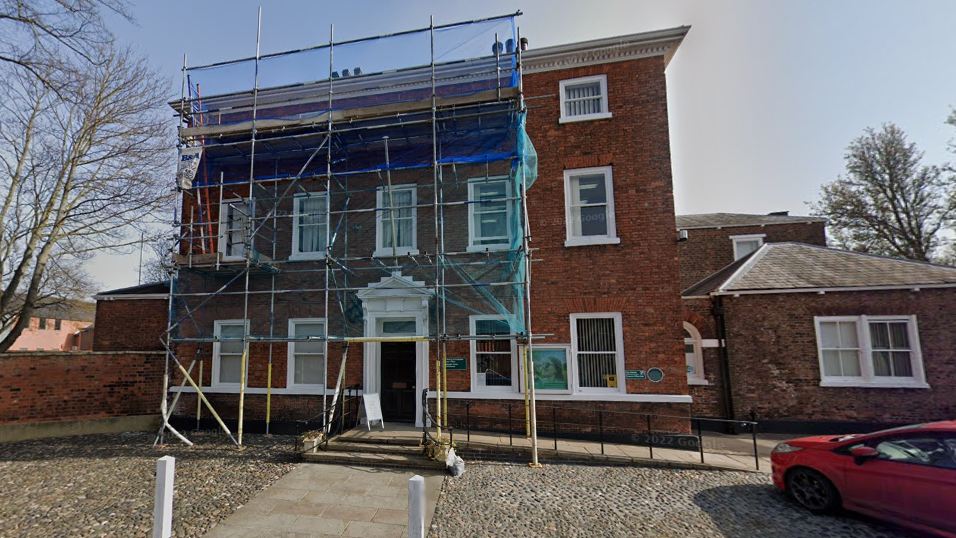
(365, 447)
(396, 460)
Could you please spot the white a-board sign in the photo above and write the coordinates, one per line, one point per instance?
(373, 410)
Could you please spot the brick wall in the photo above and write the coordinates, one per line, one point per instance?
(776, 372)
(708, 250)
(130, 324)
(38, 387)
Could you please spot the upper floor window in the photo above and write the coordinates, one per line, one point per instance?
(309, 226)
(589, 206)
(489, 214)
(233, 229)
(306, 367)
(227, 352)
(694, 356)
(42, 325)
(869, 351)
(745, 244)
(493, 359)
(584, 99)
(597, 344)
(400, 239)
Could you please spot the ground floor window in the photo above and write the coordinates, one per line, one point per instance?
(306, 367)
(492, 358)
(693, 354)
(227, 351)
(877, 351)
(598, 351)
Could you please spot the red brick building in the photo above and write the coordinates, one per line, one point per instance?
(132, 319)
(58, 328)
(819, 338)
(293, 254)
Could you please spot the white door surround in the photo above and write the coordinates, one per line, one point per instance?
(395, 297)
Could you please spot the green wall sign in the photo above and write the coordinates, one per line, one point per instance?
(456, 363)
(638, 375)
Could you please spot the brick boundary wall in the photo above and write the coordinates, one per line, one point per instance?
(43, 386)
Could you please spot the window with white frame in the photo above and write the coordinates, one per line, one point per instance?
(401, 240)
(492, 359)
(584, 99)
(589, 206)
(233, 229)
(489, 214)
(306, 353)
(598, 347)
(745, 244)
(227, 351)
(309, 226)
(876, 351)
(693, 354)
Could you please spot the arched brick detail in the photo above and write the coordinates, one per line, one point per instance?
(596, 304)
(697, 321)
(587, 161)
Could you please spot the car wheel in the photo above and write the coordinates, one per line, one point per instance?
(812, 491)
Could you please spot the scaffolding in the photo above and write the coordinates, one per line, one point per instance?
(395, 166)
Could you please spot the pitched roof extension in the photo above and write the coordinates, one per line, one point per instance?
(794, 267)
(731, 220)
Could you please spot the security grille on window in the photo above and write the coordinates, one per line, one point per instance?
(584, 99)
(869, 351)
(308, 234)
(590, 206)
(488, 212)
(493, 358)
(403, 237)
(233, 229)
(597, 352)
(227, 352)
(307, 357)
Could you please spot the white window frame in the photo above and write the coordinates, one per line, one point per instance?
(473, 206)
(224, 208)
(571, 366)
(290, 361)
(217, 328)
(697, 378)
(381, 199)
(611, 237)
(605, 109)
(296, 213)
(867, 377)
(619, 351)
(737, 239)
(473, 345)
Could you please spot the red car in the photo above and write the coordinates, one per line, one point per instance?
(903, 475)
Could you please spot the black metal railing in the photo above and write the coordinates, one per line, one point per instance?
(346, 414)
(608, 426)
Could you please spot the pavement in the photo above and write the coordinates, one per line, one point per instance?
(317, 500)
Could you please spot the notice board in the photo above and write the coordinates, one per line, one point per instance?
(373, 410)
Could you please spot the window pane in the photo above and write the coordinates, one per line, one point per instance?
(593, 368)
(231, 331)
(311, 223)
(309, 369)
(746, 247)
(596, 345)
(590, 189)
(398, 327)
(593, 220)
(880, 335)
(691, 359)
(829, 334)
(848, 334)
(850, 361)
(831, 363)
(902, 364)
(881, 364)
(899, 336)
(491, 326)
(229, 369)
(230, 346)
(495, 367)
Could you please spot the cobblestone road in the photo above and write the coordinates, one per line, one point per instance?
(103, 485)
(499, 500)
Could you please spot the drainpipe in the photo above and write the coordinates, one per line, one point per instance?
(718, 311)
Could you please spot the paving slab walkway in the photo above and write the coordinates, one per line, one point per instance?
(319, 500)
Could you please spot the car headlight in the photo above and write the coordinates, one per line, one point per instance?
(784, 448)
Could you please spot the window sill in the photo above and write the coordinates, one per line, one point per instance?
(579, 242)
(312, 256)
(483, 248)
(588, 117)
(697, 381)
(875, 384)
(387, 252)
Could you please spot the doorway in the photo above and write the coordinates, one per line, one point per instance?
(398, 380)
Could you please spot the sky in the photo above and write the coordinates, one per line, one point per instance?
(763, 96)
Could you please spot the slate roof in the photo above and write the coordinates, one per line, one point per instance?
(142, 289)
(730, 220)
(69, 310)
(795, 266)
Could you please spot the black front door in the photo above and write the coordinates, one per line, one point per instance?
(398, 380)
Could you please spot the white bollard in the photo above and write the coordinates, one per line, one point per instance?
(163, 511)
(416, 507)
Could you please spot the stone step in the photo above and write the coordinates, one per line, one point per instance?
(373, 460)
(340, 445)
(379, 439)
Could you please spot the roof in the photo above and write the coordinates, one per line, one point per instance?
(136, 292)
(730, 220)
(796, 267)
(70, 310)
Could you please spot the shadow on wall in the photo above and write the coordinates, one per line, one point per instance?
(750, 510)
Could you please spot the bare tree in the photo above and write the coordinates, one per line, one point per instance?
(888, 202)
(158, 266)
(44, 36)
(79, 173)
